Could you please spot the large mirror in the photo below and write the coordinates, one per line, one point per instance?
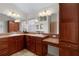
(46, 20)
(45, 24)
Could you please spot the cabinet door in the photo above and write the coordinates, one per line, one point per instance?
(30, 43)
(68, 32)
(45, 48)
(68, 12)
(15, 44)
(68, 52)
(3, 43)
(38, 46)
(13, 26)
(12, 45)
(69, 22)
(4, 52)
(33, 39)
(4, 47)
(19, 42)
(69, 19)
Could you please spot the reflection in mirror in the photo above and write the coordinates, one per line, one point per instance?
(3, 27)
(3, 23)
(53, 24)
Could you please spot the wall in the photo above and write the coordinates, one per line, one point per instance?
(3, 23)
(3, 27)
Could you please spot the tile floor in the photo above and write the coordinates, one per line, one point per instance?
(24, 53)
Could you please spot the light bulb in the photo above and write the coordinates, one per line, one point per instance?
(40, 14)
(9, 13)
(14, 14)
(17, 20)
(18, 15)
(36, 20)
(43, 13)
(48, 12)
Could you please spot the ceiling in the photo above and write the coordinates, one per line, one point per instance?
(32, 7)
(24, 9)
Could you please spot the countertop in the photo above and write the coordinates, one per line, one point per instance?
(19, 34)
(52, 41)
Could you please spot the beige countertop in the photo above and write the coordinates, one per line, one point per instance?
(37, 35)
(52, 40)
(18, 34)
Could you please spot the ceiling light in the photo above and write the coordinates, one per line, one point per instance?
(18, 15)
(9, 14)
(36, 20)
(17, 20)
(14, 14)
(40, 14)
(45, 13)
(48, 12)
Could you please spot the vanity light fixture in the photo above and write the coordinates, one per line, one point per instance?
(17, 20)
(40, 14)
(9, 14)
(36, 20)
(48, 12)
(18, 15)
(13, 14)
(45, 13)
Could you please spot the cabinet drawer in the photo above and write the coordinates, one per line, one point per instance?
(3, 46)
(68, 45)
(68, 32)
(3, 42)
(3, 39)
(4, 52)
(68, 52)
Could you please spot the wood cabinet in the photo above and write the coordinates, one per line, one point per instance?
(68, 52)
(30, 43)
(3, 46)
(12, 45)
(15, 44)
(68, 31)
(35, 44)
(69, 40)
(13, 26)
(39, 46)
(19, 42)
(68, 49)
